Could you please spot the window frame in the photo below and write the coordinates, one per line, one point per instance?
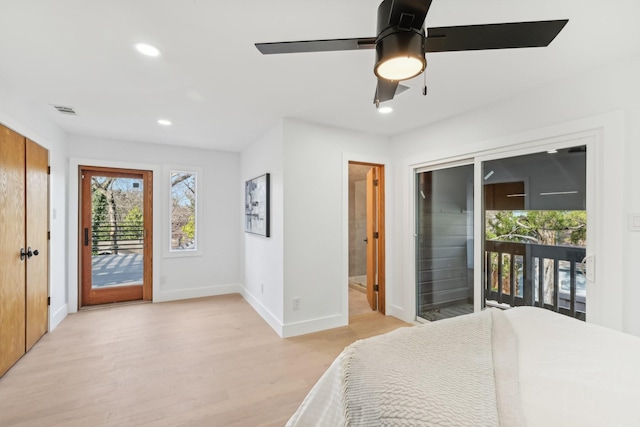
(168, 251)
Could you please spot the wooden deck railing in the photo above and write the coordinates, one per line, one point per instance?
(529, 274)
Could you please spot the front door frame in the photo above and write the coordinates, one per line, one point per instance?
(120, 293)
(73, 224)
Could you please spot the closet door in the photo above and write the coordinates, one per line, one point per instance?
(12, 238)
(37, 175)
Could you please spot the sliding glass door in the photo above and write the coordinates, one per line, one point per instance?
(531, 227)
(444, 242)
(535, 230)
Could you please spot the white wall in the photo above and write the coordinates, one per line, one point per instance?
(306, 256)
(631, 248)
(316, 183)
(263, 256)
(28, 119)
(216, 269)
(604, 99)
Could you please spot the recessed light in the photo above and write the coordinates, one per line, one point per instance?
(164, 122)
(147, 49)
(385, 110)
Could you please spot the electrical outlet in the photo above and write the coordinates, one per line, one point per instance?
(296, 304)
(590, 262)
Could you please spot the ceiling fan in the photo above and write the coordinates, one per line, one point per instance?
(402, 42)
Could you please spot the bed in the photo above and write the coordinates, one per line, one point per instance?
(520, 367)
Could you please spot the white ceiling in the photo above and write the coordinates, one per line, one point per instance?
(221, 93)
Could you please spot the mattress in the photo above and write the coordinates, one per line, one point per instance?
(568, 373)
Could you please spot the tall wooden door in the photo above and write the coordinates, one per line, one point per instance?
(116, 235)
(37, 209)
(375, 230)
(12, 237)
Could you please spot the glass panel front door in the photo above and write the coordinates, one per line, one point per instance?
(116, 218)
(117, 231)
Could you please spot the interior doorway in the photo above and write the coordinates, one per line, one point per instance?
(366, 239)
(115, 235)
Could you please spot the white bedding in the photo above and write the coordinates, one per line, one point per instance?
(570, 373)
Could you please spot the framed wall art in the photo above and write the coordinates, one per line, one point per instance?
(256, 205)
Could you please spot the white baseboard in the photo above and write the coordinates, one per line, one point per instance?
(314, 325)
(395, 311)
(58, 316)
(297, 328)
(208, 291)
(266, 315)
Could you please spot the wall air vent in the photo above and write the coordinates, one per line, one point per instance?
(65, 110)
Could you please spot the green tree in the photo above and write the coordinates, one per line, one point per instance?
(189, 229)
(133, 224)
(98, 217)
(183, 208)
(541, 227)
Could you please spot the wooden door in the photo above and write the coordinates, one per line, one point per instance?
(115, 245)
(37, 208)
(372, 241)
(12, 239)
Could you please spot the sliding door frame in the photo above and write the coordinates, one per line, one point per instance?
(432, 168)
(587, 139)
(592, 139)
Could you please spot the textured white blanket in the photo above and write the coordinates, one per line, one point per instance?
(437, 374)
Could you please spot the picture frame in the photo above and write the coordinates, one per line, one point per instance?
(257, 205)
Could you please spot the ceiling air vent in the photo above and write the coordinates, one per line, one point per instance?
(65, 110)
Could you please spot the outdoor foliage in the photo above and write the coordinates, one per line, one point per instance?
(133, 225)
(562, 228)
(183, 210)
(541, 227)
(116, 212)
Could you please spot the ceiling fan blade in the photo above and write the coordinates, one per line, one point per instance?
(317, 45)
(403, 13)
(386, 90)
(493, 36)
(401, 89)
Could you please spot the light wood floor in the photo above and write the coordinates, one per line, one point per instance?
(203, 362)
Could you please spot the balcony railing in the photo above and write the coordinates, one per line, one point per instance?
(113, 238)
(536, 275)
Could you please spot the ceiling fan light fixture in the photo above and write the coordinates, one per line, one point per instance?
(400, 56)
(400, 68)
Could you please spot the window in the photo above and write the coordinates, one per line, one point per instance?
(183, 212)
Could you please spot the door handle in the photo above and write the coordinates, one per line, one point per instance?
(23, 254)
(29, 253)
(36, 252)
(366, 240)
(86, 237)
